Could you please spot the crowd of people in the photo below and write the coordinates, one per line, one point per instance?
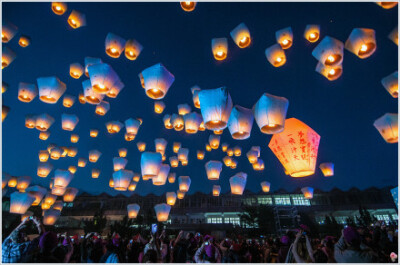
(375, 244)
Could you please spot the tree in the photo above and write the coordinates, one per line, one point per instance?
(97, 224)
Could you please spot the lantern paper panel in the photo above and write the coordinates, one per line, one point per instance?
(327, 169)
(213, 169)
(27, 92)
(23, 182)
(329, 52)
(141, 146)
(93, 133)
(252, 156)
(20, 202)
(132, 127)
(72, 169)
(94, 155)
(68, 101)
(76, 19)
(183, 154)
(177, 122)
(122, 152)
(95, 173)
(195, 92)
(12, 182)
(90, 61)
(44, 169)
(159, 106)
(219, 48)
(284, 37)
(58, 205)
(44, 135)
(43, 122)
(184, 183)
(167, 121)
(216, 190)
(115, 89)
(238, 183)
(361, 42)
(387, 126)
(200, 154)
(241, 36)
(162, 211)
(394, 35)
(308, 192)
(240, 123)
(122, 179)
(150, 164)
(5, 178)
(115, 45)
(156, 81)
(133, 210)
(50, 89)
(387, 5)
(132, 49)
(184, 109)
(259, 165)
(119, 163)
(175, 147)
(132, 186)
(180, 195)
(91, 96)
(4, 112)
(114, 126)
(391, 84)
(173, 160)
(214, 141)
(311, 33)
(161, 145)
(171, 177)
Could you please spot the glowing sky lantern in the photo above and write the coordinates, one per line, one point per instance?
(76, 70)
(219, 47)
(265, 186)
(70, 194)
(132, 49)
(20, 202)
(94, 155)
(4, 86)
(62, 178)
(93, 133)
(180, 195)
(307, 192)
(156, 81)
(74, 138)
(237, 151)
(394, 35)
(159, 106)
(391, 84)
(167, 121)
(136, 177)
(183, 154)
(227, 161)
(162, 175)
(195, 91)
(49, 199)
(132, 127)
(224, 147)
(90, 61)
(184, 183)
(8, 31)
(12, 182)
(160, 145)
(58, 205)
(214, 141)
(4, 112)
(240, 123)
(30, 121)
(95, 173)
(4, 180)
(68, 101)
(115, 45)
(176, 146)
(59, 191)
(72, 169)
(115, 89)
(252, 156)
(330, 72)
(122, 152)
(177, 122)
(241, 36)
(44, 135)
(329, 52)
(200, 154)
(188, 6)
(27, 92)
(69, 121)
(82, 98)
(56, 152)
(43, 122)
(72, 151)
(284, 37)
(44, 169)
(50, 216)
(361, 42)
(23, 182)
(50, 89)
(82, 162)
(311, 33)
(59, 8)
(202, 127)
(213, 169)
(327, 169)
(150, 164)
(171, 198)
(296, 148)
(387, 5)
(122, 178)
(216, 190)
(114, 126)
(132, 186)
(387, 126)
(76, 19)
(174, 162)
(259, 165)
(102, 77)
(238, 183)
(141, 146)
(162, 211)
(7, 57)
(65, 151)
(133, 210)
(184, 109)
(216, 107)
(119, 163)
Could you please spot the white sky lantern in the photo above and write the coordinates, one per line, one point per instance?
(70, 194)
(114, 126)
(329, 51)
(177, 122)
(184, 109)
(275, 55)
(30, 121)
(183, 154)
(44, 135)
(4, 112)
(5, 178)
(173, 160)
(115, 45)
(72, 151)
(296, 148)
(95, 173)
(122, 178)
(8, 31)
(132, 49)
(227, 161)
(171, 177)
(122, 152)
(361, 42)
(94, 155)
(7, 57)
(195, 91)
(76, 19)
(23, 182)
(72, 169)
(308, 192)
(157, 80)
(69, 121)
(180, 195)
(56, 152)
(327, 169)
(311, 33)
(162, 211)
(90, 61)
(44, 169)
(252, 156)
(233, 164)
(102, 108)
(76, 70)
(238, 183)
(171, 198)
(50, 89)
(161, 145)
(132, 127)
(20, 202)
(141, 146)
(387, 5)
(50, 216)
(93, 133)
(259, 165)
(132, 186)
(184, 183)
(136, 177)
(150, 164)
(237, 151)
(394, 35)
(58, 205)
(119, 163)
(167, 121)
(91, 96)
(213, 169)
(59, 8)
(240, 123)
(200, 154)
(216, 190)
(102, 77)
(50, 199)
(159, 106)
(27, 92)
(115, 89)
(219, 47)
(391, 84)
(62, 178)
(284, 37)
(330, 72)
(133, 210)
(12, 182)
(43, 122)
(265, 186)
(214, 141)
(162, 176)
(216, 106)
(188, 6)
(68, 101)
(241, 36)
(175, 147)
(192, 122)
(82, 162)
(387, 126)
(270, 113)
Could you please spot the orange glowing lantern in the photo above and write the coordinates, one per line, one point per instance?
(219, 48)
(76, 19)
(43, 155)
(214, 141)
(132, 49)
(44, 135)
(12, 182)
(50, 199)
(241, 36)
(252, 156)
(68, 101)
(394, 35)
(202, 127)
(59, 8)
(162, 176)
(7, 57)
(171, 177)
(329, 52)
(115, 45)
(180, 195)
(237, 151)
(285, 37)
(195, 91)
(216, 107)
(44, 169)
(56, 152)
(183, 154)
(141, 146)
(122, 179)
(122, 152)
(188, 6)
(167, 121)
(74, 138)
(216, 190)
(259, 165)
(4, 112)
(311, 33)
(387, 5)
(200, 154)
(23, 182)
(387, 125)
(30, 121)
(50, 216)
(58, 205)
(213, 169)
(238, 183)
(327, 169)
(162, 211)
(91, 96)
(102, 108)
(227, 161)
(161, 145)
(208, 148)
(173, 160)
(76, 70)
(132, 186)
(171, 198)
(8, 31)
(62, 178)
(159, 107)
(307, 192)
(72, 151)
(27, 92)
(43, 122)
(133, 210)
(70, 194)
(184, 109)
(361, 42)
(4, 87)
(82, 162)
(95, 173)
(177, 122)
(50, 89)
(330, 72)
(150, 164)
(20, 202)
(69, 121)
(192, 122)
(391, 84)
(184, 183)
(72, 169)
(114, 126)
(5, 179)
(115, 89)
(82, 98)
(156, 81)
(265, 186)
(102, 77)
(175, 147)
(94, 133)
(119, 163)
(94, 155)
(132, 127)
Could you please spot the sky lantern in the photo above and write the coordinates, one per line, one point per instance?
(8, 31)
(141, 146)
(192, 122)
(95, 173)
(72, 151)
(240, 123)
(93, 133)
(208, 148)
(114, 126)
(76, 19)
(20, 202)
(218, 132)
(156, 80)
(173, 160)
(219, 48)
(296, 147)
(72, 169)
(55, 153)
(69, 121)
(224, 147)
(188, 6)
(227, 161)
(27, 92)
(214, 141)
(233, 164)
(91, 61)
(132, 127)
(387, 5)
(132, 49)
(200, 154)
(74, 138)
(361, 42)
(184, 183)
(237, 151)
(44, 169)
(307, 192)
(7, 57)
(195, 92)
(49, 199)
(5, 178)
(68, 101)
(133, 210)
(259, 165)
(162, 211)
(4, 112)
(59, 8)
(180, 195)
(50, 89)
(132, 186)
(229, 152)
(265, 186)
(213, 169)
(161, 145)
(330, 72)
(216, 190)
(183, 154)
(329, 52)
(202, 127)
(58, 205)
(216, 106)
(159, 106)
(115, 45)
(311, 33)
(94, 155)
(119, 163)
(30, 121)
(50, 216)
(51, 146)
(70, 194)
(122, 152)
(102, 77)
(327, 169)
(162, 176)
(150, 164)
(136, 177)
(171, 198)
(184, 109)
(23, 182)
(45, 206)
(64, 152)
(82, 98)
(115, 89)
(238, 182)
(4, 86)
(252, 156)
(387, 126)
(62, 178)
(111, 183)
(175, 147)
(44, 135)
(394, 35)
(43, 122)
(82, 162)
(76, 70)
(102, 108)
(270, 113)
(167, 121)
(122, 178)
(284, 37)
(171, 177)
(241, 36)
(391, 84)
(12, 182)
(177, 122)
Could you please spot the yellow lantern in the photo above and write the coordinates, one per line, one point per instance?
(184, 109)
(387, 126)
(171, 198)
(50, 216)
(72, 151)
(91, 96)
(162, 176)
(216, 106)
(218, 132)
(136, 177)
(70, 194)
(132, 127)
(184, 162)
(180, 195)
(284, 37)
(74, 138)
(259, 165)
(4, 87)
(327, 169)
(102, 77)
(202, 127)
(159, 107)
(311, 33)
(65, 151)
(171, 177)
(115, 45)
(200, 154)
(361, 42)
(296, 148)
(227, 161)
(150, 164)
(122, 152)
(219, 48)
(44, 169)
(141, 146)
(111, 183)
(192, 122)
(132, 186)
(59, 8)
(20, 202)
(133, 210)
(237, 150)
(50, 89)
(161, 145)
(12, 182)
(94, 155)
(82, 162)
(50, 199)
(387, 5)
(23, 182)
(76, 19)
(8, 31)
(216, 190)
(183, 154)
(213, 169)
(238, 183)
(95, 173)
(240, 123)
(68, 101)
(102, 108)
(43, 122)
(394, 35)
(156, 81)
(177, 122)
(119, 163)
(69, 121)
(132, 49)
(214, 141)
(173, 160)
(122, 179)
(208, 148)
(252, 156)
(184, 183)
(55, 153)
(329, 52)
(233, 164)
(307, 192)
(114, 126)
(62, 178)
(72, 169)
(265, 186)
(46, 206)
(330, 72)
(241, 36)
(167, 121)
(43, 155)
(115, 89)
(76, 70)
(94, 133)
(162, 211)
(391, 84)
(27, 92)
(4, 112)
(82, 98)
(44, 135)
(195, 91)
(176, 146)
(224, 147)
(188, 6)
(7, 57)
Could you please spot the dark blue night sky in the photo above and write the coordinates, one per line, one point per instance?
(342, 112)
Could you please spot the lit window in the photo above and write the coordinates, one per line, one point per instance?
(395, 217)
(300, 200)
(264, 200)
(282, 200)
